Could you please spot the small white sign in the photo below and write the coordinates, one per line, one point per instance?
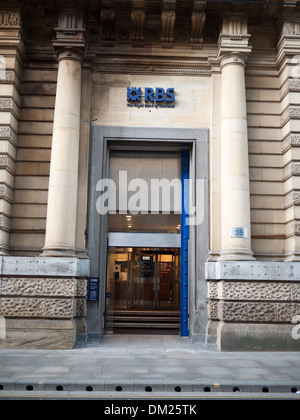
(239, 232)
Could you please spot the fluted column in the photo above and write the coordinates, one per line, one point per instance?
(63, 184)
(234, 160)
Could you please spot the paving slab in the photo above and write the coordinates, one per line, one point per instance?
(148, 364)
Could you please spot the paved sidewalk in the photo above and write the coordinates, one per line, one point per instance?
(137, 363)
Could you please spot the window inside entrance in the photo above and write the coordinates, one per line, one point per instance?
(144, 279)
(143, 288)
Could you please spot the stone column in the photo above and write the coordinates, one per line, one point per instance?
(83, 170)
(234, 160)
(63, 184)
(234, 146)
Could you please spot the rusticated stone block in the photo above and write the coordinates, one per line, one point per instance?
(213, 310)
(233, 311)
(295, 292)
(81, 307)
(81, 289)
(267, 312)
(213, 290)
(21, 307)
(60, 308)
(262, 312)
(37, 308)
(43, 287)
(287, 311)
(259, 291)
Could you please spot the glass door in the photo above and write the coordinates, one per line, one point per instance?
(168, 280)
(145, 279)
(143, 287)
(118, 286)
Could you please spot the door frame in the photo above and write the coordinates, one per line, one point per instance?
(104, 139)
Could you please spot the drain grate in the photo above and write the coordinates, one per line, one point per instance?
(131, 386)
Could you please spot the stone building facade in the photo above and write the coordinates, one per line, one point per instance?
(65, 71)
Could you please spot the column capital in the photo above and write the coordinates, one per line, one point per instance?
(69, 42)
(234, 38)
(70, 53)
(233, 57)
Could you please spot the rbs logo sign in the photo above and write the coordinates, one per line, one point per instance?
(151, 95)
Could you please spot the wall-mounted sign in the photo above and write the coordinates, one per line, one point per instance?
(239, 232)
(150, 98)
(93, 290)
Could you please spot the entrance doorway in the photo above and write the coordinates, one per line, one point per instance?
(144, 241)
(149, 153)
(143, 289)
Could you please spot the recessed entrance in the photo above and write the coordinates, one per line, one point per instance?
(144, 241)
(152, 155)
(143, 289)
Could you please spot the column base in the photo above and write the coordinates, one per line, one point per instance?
(81, 253)
(4, 251)
(59, 252)
(236, 255)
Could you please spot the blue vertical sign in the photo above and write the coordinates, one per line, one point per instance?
(185, 235)
(93, 290)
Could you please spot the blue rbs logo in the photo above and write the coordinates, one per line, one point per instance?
(151, 95)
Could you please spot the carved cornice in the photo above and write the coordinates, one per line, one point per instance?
(11, 31)
(292, 199)
(293, 140)
(289, 40)
(292, 169)
(7, 76)
(7, 133)
(292, 112)
(10, 19)
(291, 85)
(291, 29)
(8, 104)
(123, 69)
(7, 163)
(6, 193)
(292, 229)
(5, 223)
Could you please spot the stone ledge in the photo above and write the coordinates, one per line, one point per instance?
(46, 267)
(253, 270)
